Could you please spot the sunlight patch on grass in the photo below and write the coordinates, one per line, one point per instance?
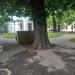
(9, 36)
(13, 35)
(9, 33)
(54, 35)
(72, 40)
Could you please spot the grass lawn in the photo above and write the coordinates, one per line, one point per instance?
(9, 35)
(54, 35)
(13, 35)
(72, 40)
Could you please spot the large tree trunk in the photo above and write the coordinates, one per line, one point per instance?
(41, 36)
(40, 26)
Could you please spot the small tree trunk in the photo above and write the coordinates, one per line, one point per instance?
(14, 25)
(59, 24)
(49, 28)
(72, 28)
(54, 23)
(58, 28)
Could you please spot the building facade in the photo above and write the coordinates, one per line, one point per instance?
(69, 28)
(20, 25)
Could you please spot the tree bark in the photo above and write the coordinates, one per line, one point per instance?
(59, 28)
(40, 26)
(41, 40)
(54, 22)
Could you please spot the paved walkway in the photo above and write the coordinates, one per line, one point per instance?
(64, 41)
(7, 42)
(61, 41)
(10, 48)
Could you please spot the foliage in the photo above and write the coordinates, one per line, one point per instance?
(64, 17)
(69, 17)
(25, 7)
(29, 7)
(59, 7)
(3, 23)
(49, 21)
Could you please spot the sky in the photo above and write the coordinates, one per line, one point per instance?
(17, 18)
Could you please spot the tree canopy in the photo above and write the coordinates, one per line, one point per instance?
(27, 7)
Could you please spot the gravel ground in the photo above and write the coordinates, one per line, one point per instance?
(64, 41)
(17, 60)
(47, 62)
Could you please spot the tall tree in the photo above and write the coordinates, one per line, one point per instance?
(59, 16)
(40, 26)
(35, 9)
(38, 10)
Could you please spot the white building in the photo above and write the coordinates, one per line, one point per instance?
(20, 24)
(69, 28)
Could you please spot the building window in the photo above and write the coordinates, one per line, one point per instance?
(71, 27)
(21, 26)
(74, 26)
(11, 27)
(66, 27)
(29, 26)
